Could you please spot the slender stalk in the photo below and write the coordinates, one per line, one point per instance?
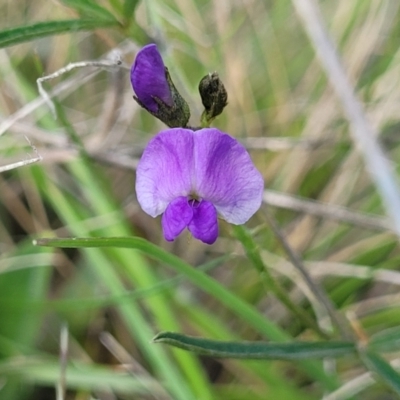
(323, 210)
(271, 283)
(319, 293)
(61, 386)
(363, 134)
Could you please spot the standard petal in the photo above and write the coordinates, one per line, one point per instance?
(204, 224)
(226, 175)
(165, 170)
(148, 78)
(176, 218)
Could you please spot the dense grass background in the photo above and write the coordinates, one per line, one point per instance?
(324, 210)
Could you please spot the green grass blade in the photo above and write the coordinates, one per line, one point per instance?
(26, 33)
(80, 376)
(208, 324)
(245, 311)
(383, 369)
(387, 340)
(70, 304)
(129, 8)
(271, 284)
(89, 9)
(136, 323)
(256, 350)
(198, 278)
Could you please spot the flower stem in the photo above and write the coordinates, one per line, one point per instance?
(204, 121)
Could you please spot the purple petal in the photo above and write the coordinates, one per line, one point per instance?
(176, 218)
(226, 176)
(204, 225)
(148, 78)
(165, 170)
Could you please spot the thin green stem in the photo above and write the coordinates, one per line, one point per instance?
(271, 283)
(319, 293)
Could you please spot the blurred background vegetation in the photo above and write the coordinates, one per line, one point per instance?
(112, 302)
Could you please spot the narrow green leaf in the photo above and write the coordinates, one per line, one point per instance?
(246, 311)
(45, 371)
(167, 369)
(383, 369)
(271, 284)
(68, 304)
(256, 350)
(129, 8)
(88, 8)
(26, 33)
(387, 340)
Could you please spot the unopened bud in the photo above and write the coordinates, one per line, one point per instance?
(155, 90)
(176, 115)
(213, 96)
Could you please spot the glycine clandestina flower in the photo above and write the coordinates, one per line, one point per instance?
(192, 176)
(155, 90)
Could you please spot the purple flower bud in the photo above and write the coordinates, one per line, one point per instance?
(191, 177)
(155, 90)
(148, 78)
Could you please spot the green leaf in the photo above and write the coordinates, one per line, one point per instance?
(45, 371)
(68, 304)
(129, 8)
(383, 369)
(89, 9)
(246, 311)
(271, 284)
(26, 33)
(199, 279)
(387, 340)
(256, 350)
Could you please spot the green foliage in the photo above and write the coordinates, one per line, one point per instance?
(257, 350)
(89, 9)
(27, 33)
(383, 370)
(129, 8)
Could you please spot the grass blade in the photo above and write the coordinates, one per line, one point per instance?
(80, 376)
(363, 134)
(129, 8)
(256, 350)
(387, 340)
(383, 369)
(198, 278)
(89, 8)
(26, 33)
(245, 311)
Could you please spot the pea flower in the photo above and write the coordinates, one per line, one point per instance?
(192, 176)
(155, 90)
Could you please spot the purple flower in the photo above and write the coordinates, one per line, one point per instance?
(155, 90)
(192, 176)
(148, 78)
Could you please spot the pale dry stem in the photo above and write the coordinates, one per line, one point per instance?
(363, 134)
